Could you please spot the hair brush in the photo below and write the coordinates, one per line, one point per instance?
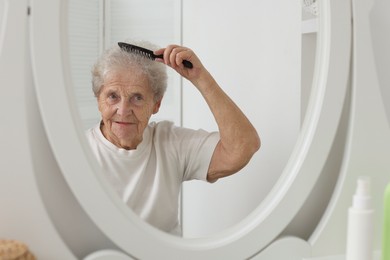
(147, 53)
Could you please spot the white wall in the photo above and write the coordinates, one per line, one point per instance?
(253, 50)
(380, 40)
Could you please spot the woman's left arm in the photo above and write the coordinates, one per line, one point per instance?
(238, 138)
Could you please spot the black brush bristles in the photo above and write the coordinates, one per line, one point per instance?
(147, 53)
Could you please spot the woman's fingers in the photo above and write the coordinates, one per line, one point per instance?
(174, 55)
(159, 52)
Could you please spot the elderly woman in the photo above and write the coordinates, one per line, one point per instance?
(147, 162)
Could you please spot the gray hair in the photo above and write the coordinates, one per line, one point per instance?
(116, 58)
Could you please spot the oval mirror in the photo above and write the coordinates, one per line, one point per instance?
(267, 217)
(273, 103)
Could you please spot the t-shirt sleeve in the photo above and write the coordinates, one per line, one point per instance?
(194, 150)
(199, 157)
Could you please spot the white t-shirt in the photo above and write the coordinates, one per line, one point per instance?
(148, 179)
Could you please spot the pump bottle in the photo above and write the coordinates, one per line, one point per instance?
(360, 232)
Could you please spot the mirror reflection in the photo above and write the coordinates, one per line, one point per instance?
(246, 81)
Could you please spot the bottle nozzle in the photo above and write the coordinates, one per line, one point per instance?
(363, 186)
(362, 197)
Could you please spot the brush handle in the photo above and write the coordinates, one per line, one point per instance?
(147, 53)
(186, 63)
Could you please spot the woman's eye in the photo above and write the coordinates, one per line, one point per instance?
(137, 99)
(112, 96)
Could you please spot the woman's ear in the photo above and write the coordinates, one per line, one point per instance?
(157, 106)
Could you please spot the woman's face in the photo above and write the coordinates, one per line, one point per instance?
(126, 102)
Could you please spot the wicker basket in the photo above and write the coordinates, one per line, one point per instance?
(14, 250)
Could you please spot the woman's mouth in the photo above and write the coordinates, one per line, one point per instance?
(124, 123)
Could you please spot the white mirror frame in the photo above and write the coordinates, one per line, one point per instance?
(62, 123)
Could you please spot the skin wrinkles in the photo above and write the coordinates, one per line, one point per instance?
(126, 102)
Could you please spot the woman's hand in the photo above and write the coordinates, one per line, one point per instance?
(174, 55)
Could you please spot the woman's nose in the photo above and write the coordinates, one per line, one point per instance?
(124, 108)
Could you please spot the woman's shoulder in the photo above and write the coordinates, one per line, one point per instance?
(93, 132)
(168, 127)
(162, 129)
(162, 124)
(167, 130)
